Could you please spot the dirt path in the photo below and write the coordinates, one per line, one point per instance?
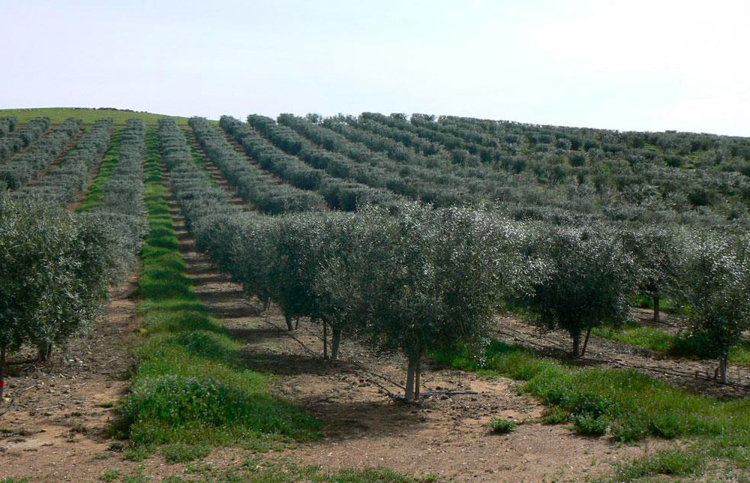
(695, 375)
(57, 428)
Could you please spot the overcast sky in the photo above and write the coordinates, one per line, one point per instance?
(629, 65)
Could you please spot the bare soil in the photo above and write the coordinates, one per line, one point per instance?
(57, 427)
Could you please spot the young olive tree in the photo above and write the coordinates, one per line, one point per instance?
(716, 288)
(297, 242)
(339, 297)
(591, 278)
(55, 270)
(658, 254)
(424, 279)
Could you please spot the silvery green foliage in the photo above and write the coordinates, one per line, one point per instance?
(424, 278)
(124, 192)
(7, 125)
(55, 268)
(590, 278)
(22, 136)
(715, 286)
(122, 201)
(357, 161)
(26, 166)
(527, 171)
(62, 184)
(339, 194)
(659, 253)
(252, 183)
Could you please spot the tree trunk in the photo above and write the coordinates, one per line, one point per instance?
(657, 308)
(576, 345)
(723, 363)
(410, 373)
(325, 340)
(335, 341)
(418, 379)
(44, 351)
(266, 305)
(296, 323)
(586, 342)
(2, 374)
(289, 324)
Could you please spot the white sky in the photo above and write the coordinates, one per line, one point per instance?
(630, 65)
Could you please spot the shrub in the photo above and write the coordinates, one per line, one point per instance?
(503, 426)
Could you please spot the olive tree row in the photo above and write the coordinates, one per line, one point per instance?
(63, 183)
(716, 288)
(26, 166)
(434, 186)
(7, 125)
(22, 137)
(252, 183)
(56, 269)
(338, 193)
(332, 268)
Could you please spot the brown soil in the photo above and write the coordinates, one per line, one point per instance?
(57, 428)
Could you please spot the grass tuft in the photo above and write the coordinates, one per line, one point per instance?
(503, 426)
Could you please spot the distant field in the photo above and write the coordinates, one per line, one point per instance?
(59, 114)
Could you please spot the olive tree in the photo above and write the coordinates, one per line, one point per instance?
(658, 254)
(590, 279)
(425, 279)
(55, 270)
(716, 284)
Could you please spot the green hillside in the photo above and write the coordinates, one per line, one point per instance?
(59, 114)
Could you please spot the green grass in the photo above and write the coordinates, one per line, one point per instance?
(110, 475)
(109, 163)
(669, 462)
(661, 341)
(191, 387)
(59, 114)
(503, 426)
(625, 404)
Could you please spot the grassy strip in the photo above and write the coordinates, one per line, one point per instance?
(622, 403)
(109, 163)
(191, 390)
(661, 341)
